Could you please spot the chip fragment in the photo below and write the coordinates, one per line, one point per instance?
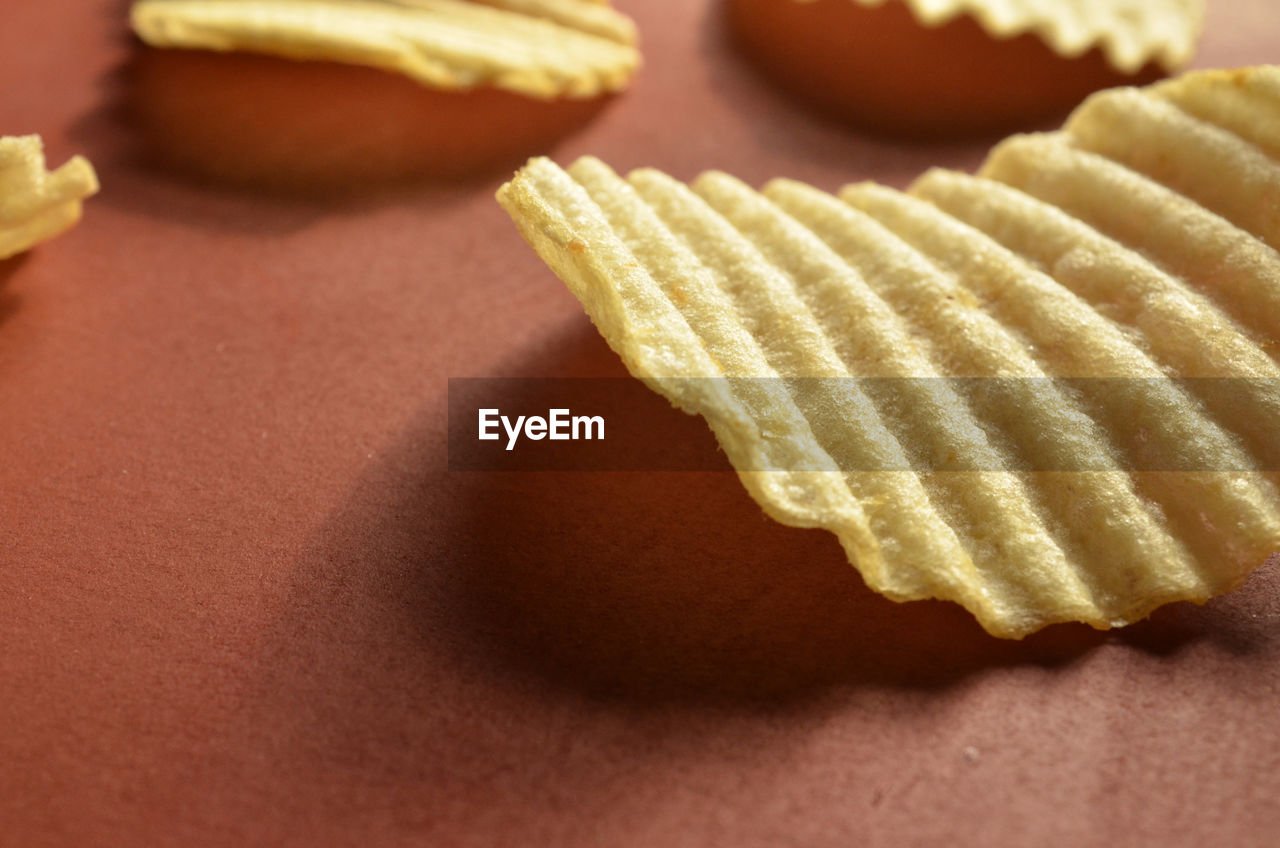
(538, 48)
(37, 204)
(1084, 286)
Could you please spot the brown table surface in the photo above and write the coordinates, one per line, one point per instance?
(243, 601)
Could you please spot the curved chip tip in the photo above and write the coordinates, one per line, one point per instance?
(37, 204)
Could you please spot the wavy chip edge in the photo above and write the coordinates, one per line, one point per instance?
(1166, 35)
(542, 49)
(566, 227)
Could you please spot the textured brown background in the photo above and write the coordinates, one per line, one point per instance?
(243, 602)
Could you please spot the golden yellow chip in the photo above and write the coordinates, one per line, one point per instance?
(970, 386)
(37, 204)
(538, 48)
(1130, 33)
(1206, 156)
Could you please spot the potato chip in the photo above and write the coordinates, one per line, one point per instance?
(1130, 33)
(37, 204)
(1232, 267)
(1031, 457)
(1158, 133)
(929, 67)
(538, 48)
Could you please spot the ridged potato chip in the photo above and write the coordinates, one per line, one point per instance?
(37, 204)
(1130, 33)
(927, 66)
(539, 48)
(1081, 420)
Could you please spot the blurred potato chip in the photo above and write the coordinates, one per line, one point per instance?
(1084, 484)
(940, 67)
(37, 204)
(1130, 33)
(539, 48)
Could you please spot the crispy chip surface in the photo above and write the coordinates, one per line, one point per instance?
(37, 204)
(1081, 267)
(539, 48)
(1130, 33)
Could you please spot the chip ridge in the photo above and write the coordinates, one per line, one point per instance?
(963, 276)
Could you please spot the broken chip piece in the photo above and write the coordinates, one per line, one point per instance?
(37, 204)
(924, 66)
(537, 48)
(1130, 322)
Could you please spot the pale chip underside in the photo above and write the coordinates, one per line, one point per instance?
(1130, 33)
(37, 204)
(1085, 267)
(538, 48)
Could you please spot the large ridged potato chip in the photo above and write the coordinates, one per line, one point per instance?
(538, 48)
(1079, 345)
(37, 204)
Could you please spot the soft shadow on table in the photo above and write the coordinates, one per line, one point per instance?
(1240, 623)
(137, 183)
(9, 301)
(263, 146)
(882, 73)
(782, 125)
(652, 588)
